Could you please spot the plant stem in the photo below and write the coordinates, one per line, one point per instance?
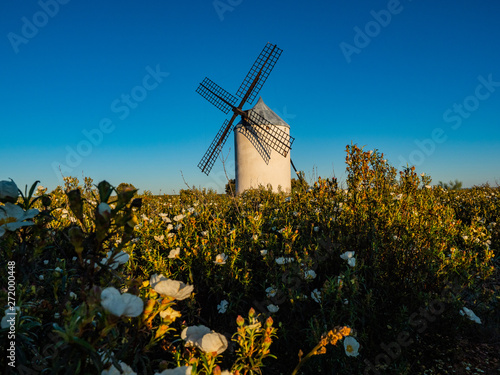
(303, 360)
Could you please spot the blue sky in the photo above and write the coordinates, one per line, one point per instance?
(417, 80)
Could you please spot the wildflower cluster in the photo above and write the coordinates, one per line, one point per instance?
(128, 284)
(254, 339)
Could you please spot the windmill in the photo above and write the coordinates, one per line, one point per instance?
(254, 125)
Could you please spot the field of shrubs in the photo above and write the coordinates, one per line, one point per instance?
(380, 274)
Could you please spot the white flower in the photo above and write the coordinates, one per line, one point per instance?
(165, 218)
(179, 217)
(283, 260)
(205, 339)
(263, 252)
(45, 262)
(57, 269)
(104, 209)
(271, 292)
(72, 295)
(172, 288)
(288, 199)
(470, 314)
(193, 334)
(222, 306)
(120, 258)
(213, 342)
(159, 238)
(12, 217)
(126, 370)
(309, 274)
(255, 237)
(398, 197)
(170, 314)
(41, 277)
(316, 229)
(351, 346)
(204, 233)
(183, 370)
(57, 315)
(349, 256)
(272, 308)
(174, 253)
(8, 191)
(316, 295)
(178, 227)
(121, 304)
(220, 259)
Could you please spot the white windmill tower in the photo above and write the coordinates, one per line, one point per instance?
(256, 163)
(262, 138)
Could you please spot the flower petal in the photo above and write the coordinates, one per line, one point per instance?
(134, 305)
(213, 342)
(194, 334)
(111, 300)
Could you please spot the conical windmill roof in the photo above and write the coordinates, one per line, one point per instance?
(262, 109)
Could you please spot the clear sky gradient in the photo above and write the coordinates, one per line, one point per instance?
(106, 89)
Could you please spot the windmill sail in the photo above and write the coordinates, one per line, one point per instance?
(207, 162)
(261, 68)
(266, 135)
(216, 95)
(273, 136)
(265, 130)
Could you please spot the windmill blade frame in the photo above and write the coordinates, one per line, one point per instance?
(261, 69)
(279, 140)
(208, 160)
(216, 95)
(265, 135)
